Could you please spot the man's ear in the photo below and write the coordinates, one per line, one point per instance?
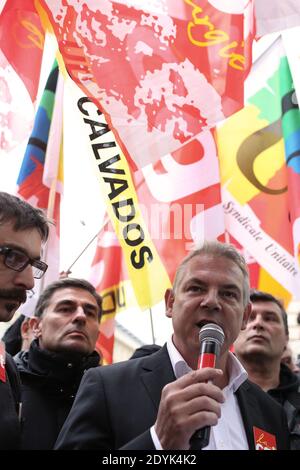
(35, 325)
(169, 301)
(246, 316)
(25, 326)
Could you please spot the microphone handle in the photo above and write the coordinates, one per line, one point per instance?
(200, 438)
(209, 350)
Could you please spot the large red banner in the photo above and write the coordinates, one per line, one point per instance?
(162, 72)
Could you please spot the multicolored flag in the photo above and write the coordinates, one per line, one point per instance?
(34, 183)
(258, 150)
(291, 37)
(291, 135)
(162, 72)
(22, 41)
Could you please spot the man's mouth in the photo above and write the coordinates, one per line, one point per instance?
(77, 333)
(202, 323)
(257, 338)
(13, 296)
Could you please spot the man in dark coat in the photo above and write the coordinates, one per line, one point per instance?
(161, 401)
(66, 327)
(13, 337)
(23, 229)
(259, 348)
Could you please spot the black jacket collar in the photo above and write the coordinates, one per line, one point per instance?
(48, 366)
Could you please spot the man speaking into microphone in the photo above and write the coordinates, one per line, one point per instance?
(171, 399)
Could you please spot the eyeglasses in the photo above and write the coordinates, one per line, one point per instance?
(18, 261)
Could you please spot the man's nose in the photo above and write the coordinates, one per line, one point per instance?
(24, 278)
(79, 314)
(210, 299)
(257, 322)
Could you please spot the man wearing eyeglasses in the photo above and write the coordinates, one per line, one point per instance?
(23, 230)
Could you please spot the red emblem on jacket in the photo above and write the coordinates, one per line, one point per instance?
(264, 440)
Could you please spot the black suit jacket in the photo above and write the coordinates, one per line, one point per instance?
(116, 405)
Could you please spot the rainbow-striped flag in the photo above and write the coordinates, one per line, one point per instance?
(34, 183)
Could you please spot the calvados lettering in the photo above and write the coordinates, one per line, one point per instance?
(106, 166)
(117, 186)
(212, 37)
(123, 209)
(98, 128)
(124, 215)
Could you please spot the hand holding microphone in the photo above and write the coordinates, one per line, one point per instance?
(192, 398)
(211, 338)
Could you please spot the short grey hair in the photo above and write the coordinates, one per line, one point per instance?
(217, 249)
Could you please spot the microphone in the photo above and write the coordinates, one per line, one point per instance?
(211, 338)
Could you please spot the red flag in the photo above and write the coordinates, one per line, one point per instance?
(161, 73)
(181, 199)
(22, 41)
(16, 110)
(108, 274)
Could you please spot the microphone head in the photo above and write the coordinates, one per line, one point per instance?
(212, 332)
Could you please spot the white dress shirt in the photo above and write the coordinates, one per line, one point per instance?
(229, 432)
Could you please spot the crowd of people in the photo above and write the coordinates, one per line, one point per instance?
(55, 394)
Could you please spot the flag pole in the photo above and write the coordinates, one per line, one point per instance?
(50, 213)
(106, 218)
(152, 328)
(81, 253)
